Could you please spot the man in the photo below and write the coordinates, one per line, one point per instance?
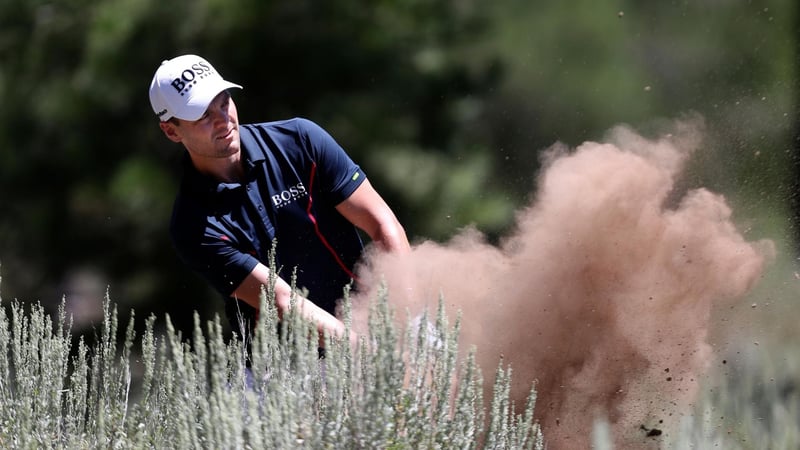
(246, 186)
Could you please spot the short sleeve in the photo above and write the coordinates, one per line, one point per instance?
(337, 172)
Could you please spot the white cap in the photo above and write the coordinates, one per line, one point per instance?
(184, 86)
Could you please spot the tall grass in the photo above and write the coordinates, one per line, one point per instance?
(392, 391)
(395, 390)
(755, 406)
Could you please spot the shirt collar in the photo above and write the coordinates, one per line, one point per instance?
(251, 151)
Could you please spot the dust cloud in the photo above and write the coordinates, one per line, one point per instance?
(603, 293)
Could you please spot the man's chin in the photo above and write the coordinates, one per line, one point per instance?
(231, 143)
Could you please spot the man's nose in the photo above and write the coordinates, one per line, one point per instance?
(219, 116)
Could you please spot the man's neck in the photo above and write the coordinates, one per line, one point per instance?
(225, 170)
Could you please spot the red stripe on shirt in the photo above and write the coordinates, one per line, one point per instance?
(316, 226)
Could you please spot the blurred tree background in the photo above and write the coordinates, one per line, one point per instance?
(446, 104)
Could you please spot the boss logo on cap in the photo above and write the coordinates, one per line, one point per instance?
(190, 76)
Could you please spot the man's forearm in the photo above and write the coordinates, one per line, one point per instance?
(250, 292)
(394, 241)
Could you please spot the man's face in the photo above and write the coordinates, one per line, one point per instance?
(214, 135)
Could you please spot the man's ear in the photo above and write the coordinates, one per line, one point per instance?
(169, 130)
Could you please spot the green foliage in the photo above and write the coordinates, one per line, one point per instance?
(385, 393)
(574, 69)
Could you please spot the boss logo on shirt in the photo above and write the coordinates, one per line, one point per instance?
(289, 195)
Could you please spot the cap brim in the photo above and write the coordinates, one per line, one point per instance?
(198, 101)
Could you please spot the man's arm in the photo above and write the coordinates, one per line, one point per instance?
(366, 209)
(250, 291)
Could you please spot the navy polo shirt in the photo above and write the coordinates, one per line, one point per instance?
(295, 175)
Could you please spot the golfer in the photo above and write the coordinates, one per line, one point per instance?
(246, 186)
